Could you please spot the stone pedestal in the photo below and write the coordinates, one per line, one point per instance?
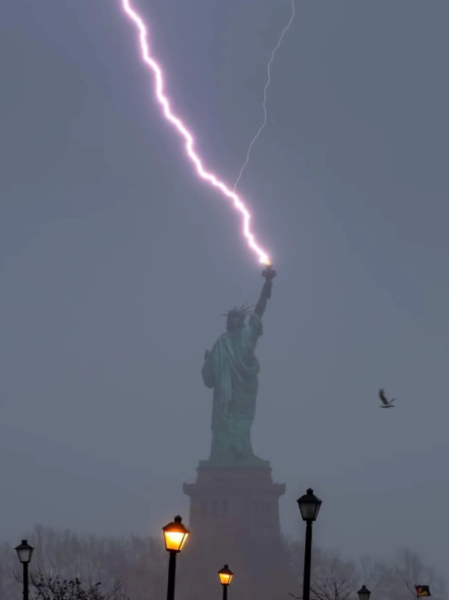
(234, 519)
(239, 501)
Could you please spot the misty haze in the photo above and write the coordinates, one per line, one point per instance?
(134, 316)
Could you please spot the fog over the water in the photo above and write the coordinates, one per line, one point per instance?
(116, 262)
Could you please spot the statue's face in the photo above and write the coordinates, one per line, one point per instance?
(234, 323)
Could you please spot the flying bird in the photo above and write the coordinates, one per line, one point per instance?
(385, 402)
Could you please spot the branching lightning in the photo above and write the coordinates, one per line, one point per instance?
(265, 95)
(185, 134)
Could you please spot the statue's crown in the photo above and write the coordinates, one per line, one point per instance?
(238, 313)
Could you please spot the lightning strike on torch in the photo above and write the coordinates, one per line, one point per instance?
(183, 131)
(265, 95)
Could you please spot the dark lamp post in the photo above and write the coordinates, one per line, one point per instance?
(226, 576)
(309, 506)
(363, 593)
(175, 537)
(25, 553)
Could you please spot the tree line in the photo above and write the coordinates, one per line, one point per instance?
(68, 566)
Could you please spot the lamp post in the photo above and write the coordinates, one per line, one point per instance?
(363, 593)
(226, 576)
(175, 537)
(25, 552)
(309, 506)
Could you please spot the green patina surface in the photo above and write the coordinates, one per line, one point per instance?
(231, 369)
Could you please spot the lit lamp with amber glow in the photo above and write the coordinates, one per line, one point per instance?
(226, 576)
(175, 537)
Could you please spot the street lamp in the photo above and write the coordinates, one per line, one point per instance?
(363, 593)
(226, 576)
(175, 537)
(309, 506)
(25, 552)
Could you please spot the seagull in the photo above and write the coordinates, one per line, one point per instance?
(385, 402)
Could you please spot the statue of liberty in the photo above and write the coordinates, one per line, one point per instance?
(231, 369)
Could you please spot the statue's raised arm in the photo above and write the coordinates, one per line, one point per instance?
(269, 273)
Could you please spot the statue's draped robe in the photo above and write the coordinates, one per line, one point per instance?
(231, 369)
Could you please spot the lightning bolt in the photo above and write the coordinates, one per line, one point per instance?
(186, 135)
(265, 95)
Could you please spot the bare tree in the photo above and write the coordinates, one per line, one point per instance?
(329, 567)
(329, 589)
(8, 569)
(141, 564)
(45, 587)
(138, 562)
(410, 569)
(396, 579)
(332, 577)
(373, 573)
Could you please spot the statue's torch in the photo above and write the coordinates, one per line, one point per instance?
(269, 274)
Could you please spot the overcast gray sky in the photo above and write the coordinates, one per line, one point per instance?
(116, 263)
